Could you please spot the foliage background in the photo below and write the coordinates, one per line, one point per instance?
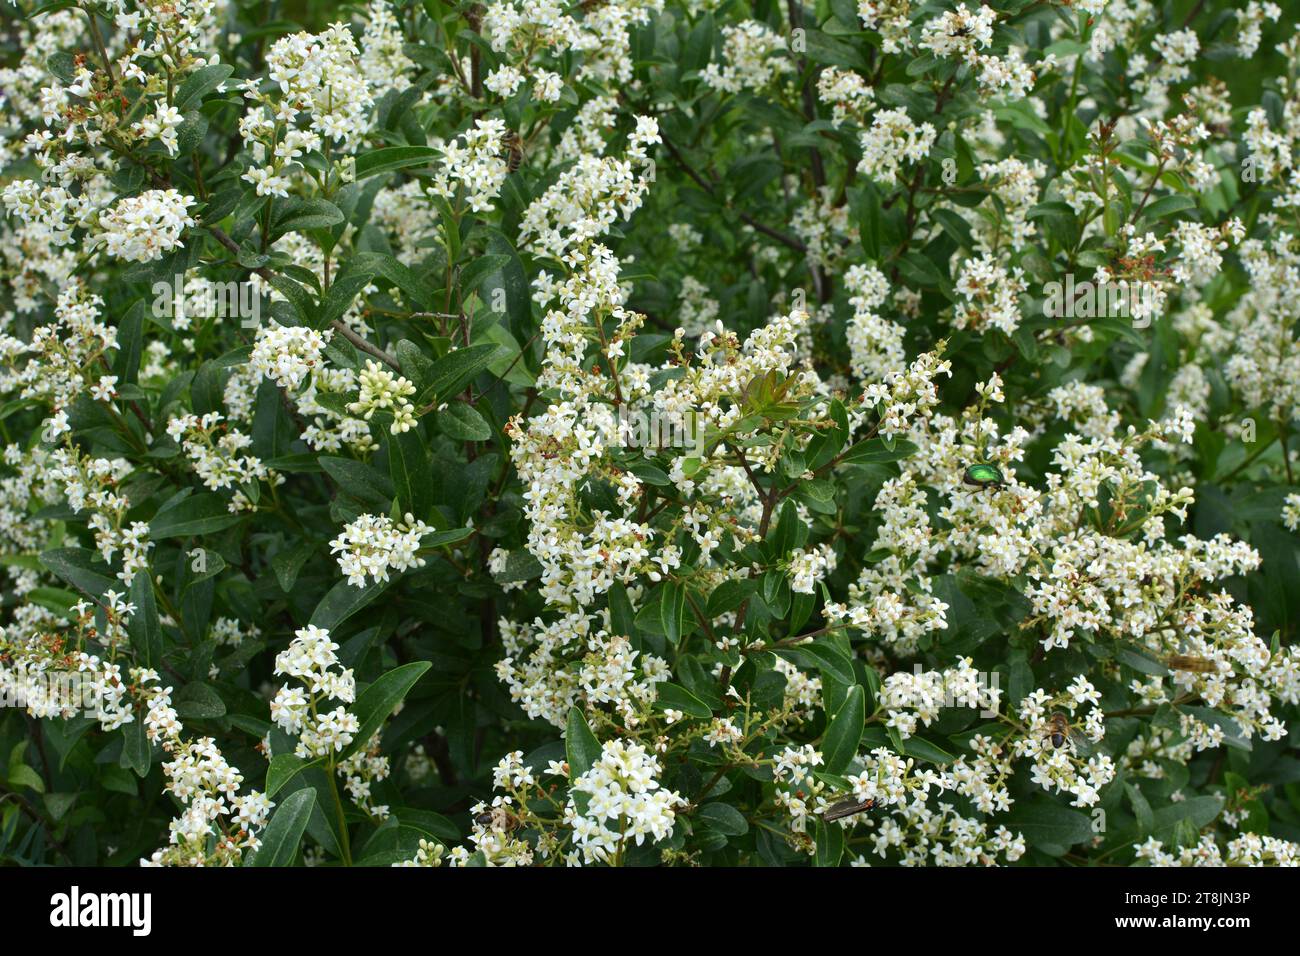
(75, 793)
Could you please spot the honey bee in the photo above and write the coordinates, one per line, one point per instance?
(847, 808)
(498, 818)
(1060, 733)
(1189, 662)
(512, 145)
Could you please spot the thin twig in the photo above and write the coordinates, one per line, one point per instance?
(337, 325)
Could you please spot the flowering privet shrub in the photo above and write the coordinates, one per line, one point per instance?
(641, 431)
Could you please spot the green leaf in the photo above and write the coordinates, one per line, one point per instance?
(451, 536)
(58, 804)
(81, 569)
(463, 423)
(338, 298)
(672, 610)
(451, 373)
(287, 564)
(62, 64)
(723, 818)
(520, 566)
(130, 346)
(192, 516)
(874, 451)
(136, 754)
(298, 215)
(144, 628)
(675, 697)
(621, 616)
(426, 821)
(729, 595)
(1141, 662)
(508, 286)
(1141, 810)
(785, 535)
(199, 701)
(821, 656)
(380, 699)
(1167, 206)
(472, 275)
(922, 749)
(581, 747)
(408, 464)
(381, 264)
(368, 485)
(1197, 811)
(304, 307)
(393, 158)
(844, 732)
(1049, 825)
(415, 364)
(699, 45)
(830, 844)
(199, 84)
(282, 835)
(21, 775)
(343, 600)
(283, 768)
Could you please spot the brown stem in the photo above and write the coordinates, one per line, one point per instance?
(336, 325)
(749, 220)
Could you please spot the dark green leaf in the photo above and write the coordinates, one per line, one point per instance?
(282, 835)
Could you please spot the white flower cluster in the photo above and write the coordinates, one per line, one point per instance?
(589, 198)
(162, 126)
(1291, 512)
(145, 227)
(922, 829)
(287, 355)
(893, 140)
(875, 343)
(476, 160)
(39, 671)
(959, 32)
(1249, 23)
(319, 76)
(364, 768)
(921, 695)
(991, 293)
(619, 800)
(299, 708)
(215, 451)
(750, 51)
(428, 854)
(231, 632)
(373, 545)
(846, 92)
(383, 61)
(1062, 768)
(493, 836)
(94, 484)
(1015, 184)
(205, 784)
(1248, 849)
(799, 789)
(892, 19)
(381, 390)
(825, 228)
(546, 681)
(808, 567)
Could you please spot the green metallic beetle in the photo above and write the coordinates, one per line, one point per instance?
(983, 476)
